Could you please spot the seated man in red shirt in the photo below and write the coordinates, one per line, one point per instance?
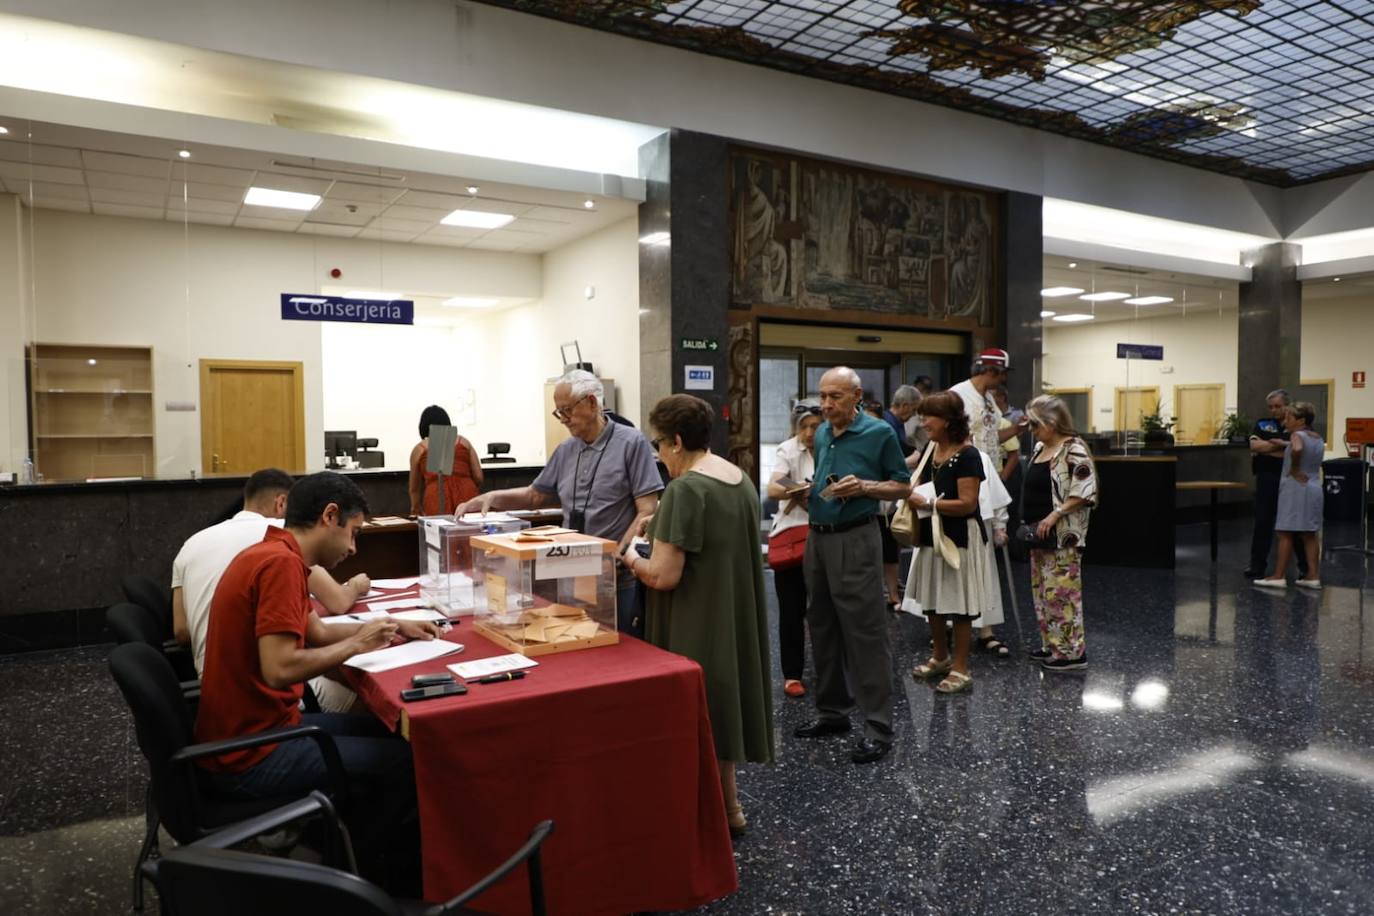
(264, 642)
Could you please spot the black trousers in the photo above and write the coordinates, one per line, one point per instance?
(1266, 512)
(790, 585)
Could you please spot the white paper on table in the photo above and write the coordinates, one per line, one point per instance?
(409, 653)
(927, 490)
(359, 617)
(419, 614)
(398, 604)
(494, 518)
(396, 583)
(494, 665)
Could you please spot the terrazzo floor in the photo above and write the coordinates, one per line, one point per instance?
(1216, 757)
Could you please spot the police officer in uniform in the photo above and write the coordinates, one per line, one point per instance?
(1268, 440)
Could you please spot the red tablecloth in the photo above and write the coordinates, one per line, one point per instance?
(612, 743)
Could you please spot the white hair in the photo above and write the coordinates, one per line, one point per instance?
(584, 384)
(847, 374)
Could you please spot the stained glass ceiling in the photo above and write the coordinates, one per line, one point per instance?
(1279, 91)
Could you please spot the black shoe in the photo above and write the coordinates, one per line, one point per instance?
(1250, 572)
(869, 750)
(1065, 664)
(1040, 654)
(819, 728)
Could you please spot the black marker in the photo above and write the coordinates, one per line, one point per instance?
(498, 678)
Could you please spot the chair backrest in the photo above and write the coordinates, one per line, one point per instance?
(154, 596)
(219, 882)
(133, 623)
(162, 723)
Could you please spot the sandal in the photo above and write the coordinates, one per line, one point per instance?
(954, 682)
(735, 819)
(994, 645)
(933, 668)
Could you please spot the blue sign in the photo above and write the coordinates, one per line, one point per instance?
(334, 308)
(1139, 351)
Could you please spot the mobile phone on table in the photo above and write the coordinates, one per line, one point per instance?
(430, 693)
(429, 680)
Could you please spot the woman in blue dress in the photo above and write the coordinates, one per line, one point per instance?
(1300, 498)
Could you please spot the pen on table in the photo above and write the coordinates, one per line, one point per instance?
(498, 678)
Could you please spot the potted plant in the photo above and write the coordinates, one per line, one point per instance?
(1235, 428)
(1156, 428)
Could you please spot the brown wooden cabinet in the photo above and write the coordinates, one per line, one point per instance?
(91, 411)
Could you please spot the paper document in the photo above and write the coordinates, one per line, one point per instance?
(477, 518)
(358, 617)
(409, 653)
(927, 490)
(395, 583)
(420, 614)
(494, 665)
(398, 604)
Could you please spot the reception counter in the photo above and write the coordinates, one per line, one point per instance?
(67, 545)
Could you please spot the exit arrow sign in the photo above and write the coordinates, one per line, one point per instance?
(700, 343)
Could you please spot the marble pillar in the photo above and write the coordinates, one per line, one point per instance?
(1023, 257)
(1270, 332)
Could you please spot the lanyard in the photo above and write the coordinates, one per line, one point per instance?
(577, 468)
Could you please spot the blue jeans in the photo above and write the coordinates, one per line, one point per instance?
(629, 614)
(383, 818)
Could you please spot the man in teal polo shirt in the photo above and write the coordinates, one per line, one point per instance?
(858, 463)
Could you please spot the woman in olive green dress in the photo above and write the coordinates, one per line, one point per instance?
(706, 597)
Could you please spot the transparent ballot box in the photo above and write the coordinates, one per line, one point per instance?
(446, 557)
(537, 594)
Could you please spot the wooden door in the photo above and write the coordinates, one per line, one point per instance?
(1132, 403)
(1198, 411)
(252, 416)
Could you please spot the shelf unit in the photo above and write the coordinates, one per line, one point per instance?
(91, 411)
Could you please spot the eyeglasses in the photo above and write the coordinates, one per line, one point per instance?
(1032, 422)
(563, 413)
(655, 443)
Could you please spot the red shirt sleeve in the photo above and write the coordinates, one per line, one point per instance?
(283, 604)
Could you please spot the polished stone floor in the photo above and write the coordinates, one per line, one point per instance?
(1217, 757)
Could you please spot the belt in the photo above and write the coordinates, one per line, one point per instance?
(842, 526)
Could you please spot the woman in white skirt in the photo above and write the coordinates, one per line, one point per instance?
(954, 471)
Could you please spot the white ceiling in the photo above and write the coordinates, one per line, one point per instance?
(111, 174)
(1192, 294)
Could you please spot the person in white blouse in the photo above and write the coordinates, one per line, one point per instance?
(795, 463)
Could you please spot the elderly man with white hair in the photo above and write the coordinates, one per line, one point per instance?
(603, 476)
(858, 464)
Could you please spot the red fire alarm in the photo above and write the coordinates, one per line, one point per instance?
(336, 273)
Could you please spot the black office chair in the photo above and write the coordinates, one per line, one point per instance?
(367, 458)
(207, 879)
(146, 592)
(133, 623)
(180, 797)
(498, 453)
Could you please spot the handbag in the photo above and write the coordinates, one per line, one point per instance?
(787, 548)
(1027, 538)
(944, 546)
(904, 528)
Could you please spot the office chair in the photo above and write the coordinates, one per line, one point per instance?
(366, 458)
(157, 598)
(180, 797)
(133, 623)
(207, 879)
(498, 453)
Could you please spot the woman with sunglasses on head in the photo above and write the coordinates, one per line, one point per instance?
(1058, 494)
(705, 580)
(955, 469)
(795, 464)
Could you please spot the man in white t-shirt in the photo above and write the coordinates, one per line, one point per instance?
(984, 418)
(201, 562)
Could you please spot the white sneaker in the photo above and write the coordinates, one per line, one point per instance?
(1271, 583)
(1309, 583)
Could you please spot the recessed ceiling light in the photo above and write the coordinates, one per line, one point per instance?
(473, 189)
(1104, 297)
(91, 362)
(1072, 265)
(1046, 313)
(1335, 279)
(589, 204)
(472, 302)
(1073, 317)
(477, 219)
(1149, 300)
(184, 153)
(285, 200)
(4, 130)
(1060, 291)
(371, 294)
(656, 238)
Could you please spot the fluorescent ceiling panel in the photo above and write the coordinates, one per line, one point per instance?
(284, 200)
(477, 219)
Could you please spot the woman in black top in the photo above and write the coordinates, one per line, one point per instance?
(943, 590)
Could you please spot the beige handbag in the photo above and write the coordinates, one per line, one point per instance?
(906, 529)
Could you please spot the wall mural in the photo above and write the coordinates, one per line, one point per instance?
(822, 235)
(740, 399)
